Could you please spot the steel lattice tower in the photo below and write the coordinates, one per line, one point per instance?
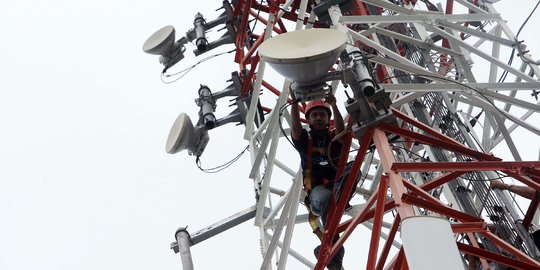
(452, 120)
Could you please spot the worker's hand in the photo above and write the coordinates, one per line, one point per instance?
(498, 184)
(293, 97)
(293, 100)
(330, 99)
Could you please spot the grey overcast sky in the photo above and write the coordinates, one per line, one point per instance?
(85, 182)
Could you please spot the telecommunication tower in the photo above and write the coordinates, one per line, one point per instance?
(432, 98)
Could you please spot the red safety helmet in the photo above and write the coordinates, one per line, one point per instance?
(318, 103)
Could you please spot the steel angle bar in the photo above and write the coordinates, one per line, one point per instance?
(377, 221)
(384, 50)
(301, 12)
(423, 44)
(496, 52)
(491, 31)
(390, 6)
(490, 165)
(513, 93)
(452, 108)
(485, 88)
(384, 224)
(398, 261)
(269, 136)
(531, 210)
(441, 180)
(506, 135)
(250, 116)
(482, 54)
(376, 177)
(361, 217)
(492, 121)
(416, 190)
(422, 126)
(277, 234)
(488, 125)
(404, 99)
(422, 87)
(476, 33)
(295, 198)
(301, 218)
(284, 167)
(366, 166)
(297, 184)
(507, 31)
(532, 64)
(287, 132)
(223, 225)
(335, 16)
(271, 157)
(488, 106)
(450, 145)
(512, 250)
(469, 227)
(419, 18)
(471, 6)
(462, 61)
(283, 8)
(492, 256)
(299, 257)
(510, 100)
(295, 254)
(262, 127)
(265, 190)
(408, 67)
(441, 209)
(513, 126)
(396, 185)
(350, 225)
(368, 224)
(277, 191)
(386, 249)
(275, 210)
(371, 30)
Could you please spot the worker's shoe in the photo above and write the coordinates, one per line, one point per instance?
(337, 260)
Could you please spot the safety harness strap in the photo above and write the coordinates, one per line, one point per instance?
(315, 226)
(307, 173)
(308, 182)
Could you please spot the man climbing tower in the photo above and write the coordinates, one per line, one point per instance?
(319, 161)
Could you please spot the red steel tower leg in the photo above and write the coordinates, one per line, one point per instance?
(406, 196)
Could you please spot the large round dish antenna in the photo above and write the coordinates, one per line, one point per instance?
(161, 42)
(303, 56)
(180, 136)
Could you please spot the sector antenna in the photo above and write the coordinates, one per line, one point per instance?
(435, 111)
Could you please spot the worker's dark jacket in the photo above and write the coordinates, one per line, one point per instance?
(321, 169)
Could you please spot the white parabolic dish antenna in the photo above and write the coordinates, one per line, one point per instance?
(181, 134)
(161, 41)
(303, 56)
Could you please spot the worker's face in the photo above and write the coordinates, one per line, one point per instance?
(318, 118)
